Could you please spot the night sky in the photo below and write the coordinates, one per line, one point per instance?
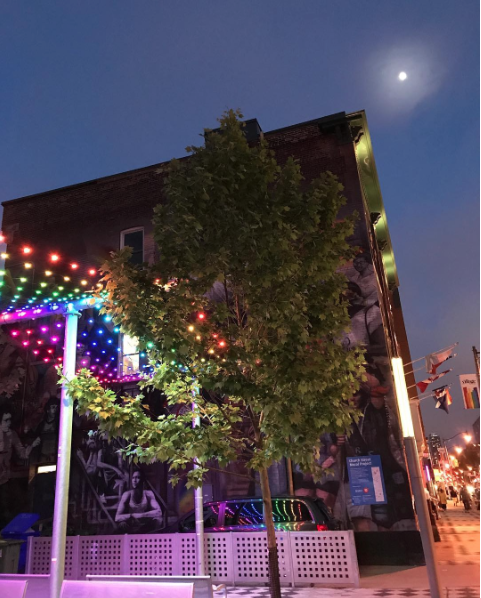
(89, 89)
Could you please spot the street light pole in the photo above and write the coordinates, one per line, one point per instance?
(415, 475)
(199, 512)
(57, 566)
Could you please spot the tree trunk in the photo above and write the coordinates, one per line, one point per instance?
(274, 582)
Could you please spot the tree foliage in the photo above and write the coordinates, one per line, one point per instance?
(242, 314)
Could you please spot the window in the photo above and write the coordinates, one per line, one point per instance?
(250, 512)
(244, 513)
(134, 238)
(211, 514)
(129, 355)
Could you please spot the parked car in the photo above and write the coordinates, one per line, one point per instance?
(291, 513)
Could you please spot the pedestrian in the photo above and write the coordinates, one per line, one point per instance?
(454, 496)
(442, 497)
(466, 498)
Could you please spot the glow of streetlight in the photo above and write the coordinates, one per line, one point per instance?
(467, 437)
(458, 449)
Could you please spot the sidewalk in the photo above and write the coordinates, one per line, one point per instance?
(458, 562)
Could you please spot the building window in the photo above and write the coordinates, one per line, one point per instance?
(129, 355)
(134, 238)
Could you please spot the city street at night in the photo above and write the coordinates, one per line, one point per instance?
(239, 299)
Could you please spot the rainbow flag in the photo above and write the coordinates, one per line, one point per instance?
(470, 390)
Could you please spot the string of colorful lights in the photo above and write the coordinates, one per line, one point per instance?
(35, 288)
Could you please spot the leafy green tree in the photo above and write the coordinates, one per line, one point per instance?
(242, 317)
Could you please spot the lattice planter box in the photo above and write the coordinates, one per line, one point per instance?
(305, 558)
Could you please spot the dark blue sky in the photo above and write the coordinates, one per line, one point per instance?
(90, 89)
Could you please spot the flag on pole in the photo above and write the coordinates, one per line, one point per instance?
(425, 383)
(443, 398)
(469, 386)
(434, 360)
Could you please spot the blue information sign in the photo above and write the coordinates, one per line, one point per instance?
(366, 480)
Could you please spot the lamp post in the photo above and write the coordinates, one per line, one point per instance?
(415, 475)
(60, 513)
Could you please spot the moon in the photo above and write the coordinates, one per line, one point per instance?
(402, 76)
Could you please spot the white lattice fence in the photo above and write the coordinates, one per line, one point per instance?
(323, 558)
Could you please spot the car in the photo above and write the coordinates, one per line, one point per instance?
(291, 513)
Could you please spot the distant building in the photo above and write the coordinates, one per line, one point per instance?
(476, 431)
(434, 444)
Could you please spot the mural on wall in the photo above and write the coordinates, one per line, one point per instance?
(111, 495)
(376, 433)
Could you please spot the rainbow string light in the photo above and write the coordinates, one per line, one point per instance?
(36, 286)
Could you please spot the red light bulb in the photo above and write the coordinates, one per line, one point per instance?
(27, 250)
(201, 316)
(54, 257)
(92, 272)
(221, 343)
(2, 238)
(74, 266)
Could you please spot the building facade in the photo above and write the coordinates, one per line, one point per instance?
(435, 445)
(89, 220)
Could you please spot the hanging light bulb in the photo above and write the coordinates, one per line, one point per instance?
(26, 250)
(27, 265)
(48, 272)
(54, 257)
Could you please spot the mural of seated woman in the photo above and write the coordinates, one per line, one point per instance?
(138, 511)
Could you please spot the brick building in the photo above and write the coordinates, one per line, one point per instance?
(88, 220)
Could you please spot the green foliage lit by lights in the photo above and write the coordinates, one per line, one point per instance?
(256, 251)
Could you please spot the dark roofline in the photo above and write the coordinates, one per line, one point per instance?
(331, 118)
(323, 120)
(85, 183)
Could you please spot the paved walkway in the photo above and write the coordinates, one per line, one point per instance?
(458, 562)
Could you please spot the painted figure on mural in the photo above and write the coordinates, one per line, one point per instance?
(328, 486)
(47, 431)
(366, 322)
(138, 511)
(365, 277)
(377, 431)
(9, 442)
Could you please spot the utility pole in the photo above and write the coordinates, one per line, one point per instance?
(476, 363)
(415, 474)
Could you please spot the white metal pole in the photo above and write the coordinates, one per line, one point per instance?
(199, 514)
(57, 565)
(416, 478)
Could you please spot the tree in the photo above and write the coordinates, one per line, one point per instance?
(242, 317)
